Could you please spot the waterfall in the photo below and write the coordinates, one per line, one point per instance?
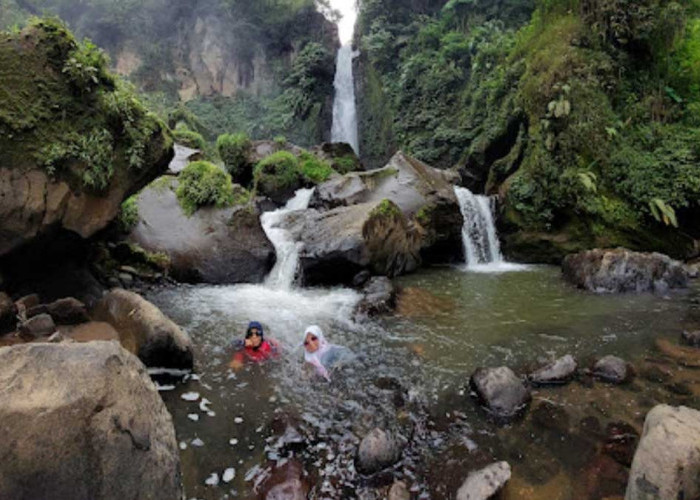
(344, 111)
(479, 236)
(287, 249)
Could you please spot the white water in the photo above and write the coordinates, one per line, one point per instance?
(482, 250)
(344, 110)
(283, 274)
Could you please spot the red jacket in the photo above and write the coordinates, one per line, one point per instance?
(267, 350)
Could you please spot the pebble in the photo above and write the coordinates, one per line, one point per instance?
(197, 442)
(193, 416)
(228, 475)
(183, 445)
(233, 442)
(212, 480)
(238, 420)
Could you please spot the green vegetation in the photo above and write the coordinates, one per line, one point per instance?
(60, 108)
(129, 214)
(313, 169)
(204, 184)
(189, 138)
(234, 150)
(386, 208)
(586, 114)
(277, 172)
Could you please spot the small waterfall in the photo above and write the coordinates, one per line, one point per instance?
(479, 236)
(344, 111)
(287, 249)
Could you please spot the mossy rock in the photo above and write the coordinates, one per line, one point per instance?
(204, 184)
(277, 176)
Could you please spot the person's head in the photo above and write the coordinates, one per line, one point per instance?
(313, 339)
(254, 335)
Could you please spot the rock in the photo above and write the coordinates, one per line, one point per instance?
(88, 332)
(560, 371)
(379, 296)
(485, 483)
(378, 450)
(183, 156)
(94, 409)
(145, 331)
(501, 391)
(68, 311)
(39, 326)
(666, 464)
(8, 313)
(612, 369)
(621, 270)
(691, 338)
(424, 194)
(620, 442)
(399, 491)
(214, 245)
(361, 278)
(340, 243)
(339, 155)
(126, 279)
(286, 483)
(28, 301)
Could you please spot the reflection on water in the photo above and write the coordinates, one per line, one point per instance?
(410, 374)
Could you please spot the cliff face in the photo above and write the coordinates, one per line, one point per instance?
(74, 141)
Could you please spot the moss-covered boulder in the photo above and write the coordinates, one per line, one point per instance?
(212, 245)
(74, 140)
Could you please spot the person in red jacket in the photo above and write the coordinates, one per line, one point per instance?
(255, 348)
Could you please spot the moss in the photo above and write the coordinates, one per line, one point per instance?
(346, 164)
(314, 169)
(204, 184)
(234, 150)
(277, 172)
(129, 214)
(386, 208)
(424, 216)
(189, 138)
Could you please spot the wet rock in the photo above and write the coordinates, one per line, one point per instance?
(620, 442)
(90, 331)
(126, 279)
(8, 313)
(214, 245)
(361, 278)
(286, 483)
(39, 326)
(691, 338)
(399, 491)
(183, 157)
(28, 301)
(485, 483)
(612, 369)
(424, 194)
(621, 270)
(340, 243)
(379, 296)
(667, 461)
(145, 331)
(560, 371)
(378, 450)
(68, 311)
(683, 355)
(501, 391)
(93, 408)
(551, 416)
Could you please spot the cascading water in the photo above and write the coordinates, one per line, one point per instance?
(344, 111)
(482, 250)
(283, 274)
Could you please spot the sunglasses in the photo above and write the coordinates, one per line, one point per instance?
(311, 339)
(252, 333)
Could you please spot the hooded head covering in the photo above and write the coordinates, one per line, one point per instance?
(316, 358)
(255, 324)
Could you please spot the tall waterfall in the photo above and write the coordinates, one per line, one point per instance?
(287, 249)
(344, 111)
(479, 236)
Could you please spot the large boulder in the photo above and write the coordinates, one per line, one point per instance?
(485, 483)
(621, 270)
(501, 391)
(424, 194)
(144, 330)
(340, 243)
(378, 450)
(214, 245)
(83, 421)
(666, 465)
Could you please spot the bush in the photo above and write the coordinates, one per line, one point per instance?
(313, 169)
(129, 214)
(189, 138)
(233, 150)
(277, 172)
(203, 183)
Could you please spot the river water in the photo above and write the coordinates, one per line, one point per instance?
(410, 374)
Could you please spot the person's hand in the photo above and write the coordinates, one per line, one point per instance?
(235, 364)
(249, 342)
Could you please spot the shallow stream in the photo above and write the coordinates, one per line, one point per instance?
(410, 374)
